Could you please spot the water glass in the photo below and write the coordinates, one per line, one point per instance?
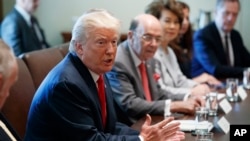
(231, 89)
(212, 103)
(246, 78)
(201, 118)
(208, 136)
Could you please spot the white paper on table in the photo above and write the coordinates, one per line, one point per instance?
(224, 124)
(225, 106)
(189, 125)
(242, 93)
(220, 96)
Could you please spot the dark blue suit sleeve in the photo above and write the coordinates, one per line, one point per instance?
(69, 113)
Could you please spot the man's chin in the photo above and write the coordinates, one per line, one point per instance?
(151, 55)
(107, 68)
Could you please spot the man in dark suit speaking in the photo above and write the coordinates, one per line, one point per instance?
(21, 30)
(218, 48)
(74, 101)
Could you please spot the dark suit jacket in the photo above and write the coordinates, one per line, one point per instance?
(66, 107)
(209, 55)
(128, 90)
(19, 35)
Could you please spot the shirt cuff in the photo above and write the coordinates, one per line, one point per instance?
(186, 96)
(167, 112)
(141, 138)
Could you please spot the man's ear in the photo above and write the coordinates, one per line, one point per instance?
(130, 34)
(79, 48)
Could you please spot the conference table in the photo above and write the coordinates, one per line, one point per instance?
(239, 115)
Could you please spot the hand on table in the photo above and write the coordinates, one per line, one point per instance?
(165, 130)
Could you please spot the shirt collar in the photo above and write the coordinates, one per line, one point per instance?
(94, 75)
(222, 33)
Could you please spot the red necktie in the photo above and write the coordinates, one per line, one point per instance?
(144, 79)
(102, 98)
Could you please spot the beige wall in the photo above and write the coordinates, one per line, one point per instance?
(56, 16)
(7, 6)
(245, 22)
(60, 14)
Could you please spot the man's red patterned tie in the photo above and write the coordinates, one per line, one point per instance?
(102, 98)
(144, 78)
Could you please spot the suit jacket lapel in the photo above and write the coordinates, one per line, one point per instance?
(85, 74)
(219, 47)
(164, 58)
(30, 33)
(151, 81)
(130, 61)
(111, 116)
(131, 64)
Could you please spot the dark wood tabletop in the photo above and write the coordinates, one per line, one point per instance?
(240, 114)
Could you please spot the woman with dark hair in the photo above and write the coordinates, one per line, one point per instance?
(184, 44)
(170, 15)
(183, 48)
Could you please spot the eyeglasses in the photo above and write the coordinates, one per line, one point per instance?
(149, 38)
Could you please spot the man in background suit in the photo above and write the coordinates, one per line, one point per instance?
(212, 53)
(21, 30)
(67, 105)
(135, 96)
(8, 76)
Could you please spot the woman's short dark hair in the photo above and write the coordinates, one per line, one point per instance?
(155, 8)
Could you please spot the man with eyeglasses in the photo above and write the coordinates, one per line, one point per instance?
(132, 79)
